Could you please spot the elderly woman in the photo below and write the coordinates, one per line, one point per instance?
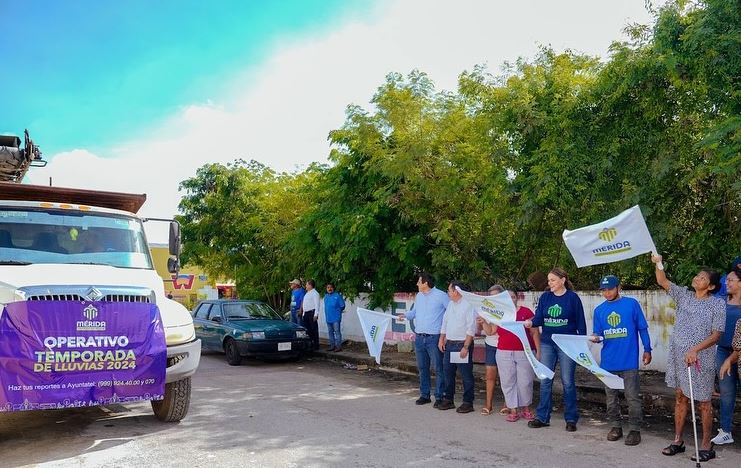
(700, 321)
(727, 356)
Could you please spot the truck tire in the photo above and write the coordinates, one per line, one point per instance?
(175, 405)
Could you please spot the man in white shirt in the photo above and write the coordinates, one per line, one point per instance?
(456, 341)
(310, 307)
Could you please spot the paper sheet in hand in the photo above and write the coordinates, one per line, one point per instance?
(455, 358)
(577, 348)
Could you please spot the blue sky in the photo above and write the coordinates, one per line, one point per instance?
(135, 96)
(85, 73)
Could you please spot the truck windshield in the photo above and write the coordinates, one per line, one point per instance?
(62, 236)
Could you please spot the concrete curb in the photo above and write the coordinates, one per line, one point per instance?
(657, 397)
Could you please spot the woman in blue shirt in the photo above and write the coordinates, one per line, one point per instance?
(559, 311)
(728, 383)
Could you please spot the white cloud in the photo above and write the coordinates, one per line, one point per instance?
(281, 111)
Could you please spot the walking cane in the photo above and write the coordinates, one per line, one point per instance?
(694, 422)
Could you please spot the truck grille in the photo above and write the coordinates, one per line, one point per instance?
(89, 293)
(75, 297)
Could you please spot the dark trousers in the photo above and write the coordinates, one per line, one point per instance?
(635, 407)
(452, 368)
(312, 328)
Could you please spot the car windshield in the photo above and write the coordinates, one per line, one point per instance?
(64, 236)
(249, 310)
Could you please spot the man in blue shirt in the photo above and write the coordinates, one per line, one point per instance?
(334, 305)
(297, 298)
(619, 321)
(427, 313)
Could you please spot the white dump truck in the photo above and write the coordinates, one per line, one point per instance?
(88, 247)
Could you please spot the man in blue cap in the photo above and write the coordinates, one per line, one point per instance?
(619, 321)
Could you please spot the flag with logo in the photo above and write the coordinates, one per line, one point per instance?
(374, 326)
(577, 348)
(499, 310)
(518, 329)
(494, 309)
(619, 238)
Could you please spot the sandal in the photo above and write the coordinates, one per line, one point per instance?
(528, 415)
(512, 417)
(705, 455)
(674, 449)
(485, 412)
(504, 411)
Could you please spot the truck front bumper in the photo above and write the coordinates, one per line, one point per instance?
(182, 360)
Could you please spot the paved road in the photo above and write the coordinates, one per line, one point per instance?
(313, 414)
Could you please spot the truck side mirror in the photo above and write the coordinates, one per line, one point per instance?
(173, 265)
(174, 238)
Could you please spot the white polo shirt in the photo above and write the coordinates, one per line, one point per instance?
(459, 320)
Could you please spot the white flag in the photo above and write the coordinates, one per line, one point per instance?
(494, 309)
(541, 370)
(501, 311)
(619, 238)
(576, 346)
(374, 326)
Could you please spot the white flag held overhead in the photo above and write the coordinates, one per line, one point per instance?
(619, 238)
(577, 348)
(374, 326)
(494, 309)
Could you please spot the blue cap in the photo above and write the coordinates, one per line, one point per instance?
(609, 282)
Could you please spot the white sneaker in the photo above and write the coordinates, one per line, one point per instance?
(723, 437)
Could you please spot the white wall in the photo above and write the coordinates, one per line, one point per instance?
(657, 306)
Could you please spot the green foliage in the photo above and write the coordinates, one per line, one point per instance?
(478, 185)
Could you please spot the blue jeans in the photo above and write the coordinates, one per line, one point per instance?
(335, 335)
(295, 318)
(451, 369)
(728, 387)
(425, 347)
(549, 355)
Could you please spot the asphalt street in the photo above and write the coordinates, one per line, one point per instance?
(316, 414)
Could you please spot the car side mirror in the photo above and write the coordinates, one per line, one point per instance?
(217, 319)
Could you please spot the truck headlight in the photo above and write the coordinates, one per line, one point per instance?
(301, 334)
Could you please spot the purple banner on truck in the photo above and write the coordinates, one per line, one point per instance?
(65, 354)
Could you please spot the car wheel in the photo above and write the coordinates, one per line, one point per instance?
(232, 353)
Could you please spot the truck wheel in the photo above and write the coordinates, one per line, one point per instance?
(232, 353)
(175, 405)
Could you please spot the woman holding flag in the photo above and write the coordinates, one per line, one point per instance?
(559, 311)
(700, 321)
(515, 373)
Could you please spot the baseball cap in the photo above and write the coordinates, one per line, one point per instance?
(297, 282)
(609, 282)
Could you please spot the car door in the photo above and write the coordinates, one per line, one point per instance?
(216, 327)
(200, 323)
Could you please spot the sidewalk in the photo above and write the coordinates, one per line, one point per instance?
(657, 397)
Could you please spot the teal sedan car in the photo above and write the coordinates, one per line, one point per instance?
(247, 328)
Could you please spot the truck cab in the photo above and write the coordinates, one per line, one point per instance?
(85, 245)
